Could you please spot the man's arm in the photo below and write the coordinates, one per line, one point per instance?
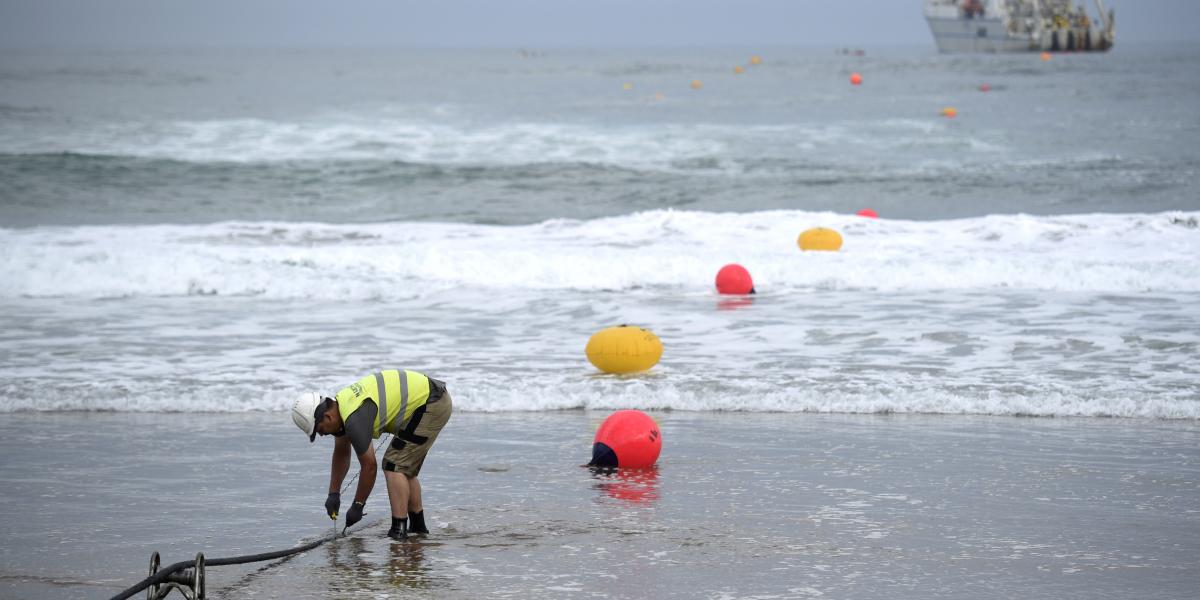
(368, 469)
(341, 464)
(359, 426)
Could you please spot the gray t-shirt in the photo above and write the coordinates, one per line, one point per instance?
(360, 425)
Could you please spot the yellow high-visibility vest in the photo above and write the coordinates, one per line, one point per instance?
(397, 394)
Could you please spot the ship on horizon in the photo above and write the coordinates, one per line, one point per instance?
(1018, 26)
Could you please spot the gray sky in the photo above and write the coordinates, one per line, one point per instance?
(524, 23)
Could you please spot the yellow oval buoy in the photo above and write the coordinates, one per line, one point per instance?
(624, 349)
(820, 238)
(1045, 56)
(627, 86)
(739, 69)
(949, 112)
(755, 60)
(697, 84)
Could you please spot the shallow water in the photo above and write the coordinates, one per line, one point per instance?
(972, 352)
(741, 505)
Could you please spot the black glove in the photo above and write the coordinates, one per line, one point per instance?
(355, 513)
(332, 504)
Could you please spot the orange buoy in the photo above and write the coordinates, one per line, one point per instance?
(623, 349)
(949, 112)
(697, 84)
(855, 79)
(866, 212)
(734, 279)
(820, 238)
(739, 70)
(627, 439)
(1045, 56)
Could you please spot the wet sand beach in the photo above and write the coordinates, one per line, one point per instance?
(740, 506)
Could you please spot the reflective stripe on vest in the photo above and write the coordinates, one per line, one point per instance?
(381, 415)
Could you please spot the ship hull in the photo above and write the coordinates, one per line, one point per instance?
(957, 35)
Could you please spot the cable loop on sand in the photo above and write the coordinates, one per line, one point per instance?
(188, 576)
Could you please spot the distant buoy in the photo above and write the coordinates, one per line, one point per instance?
(855, 79)
(1045, 56)
(627, 439)
(697, 84)
(624, 349)
(820, 238)
(734, 279)
(866, 212)
(659, 96)
(949, 112)
(755, 60)
(627, 86)
(739, 69)
(983, 87)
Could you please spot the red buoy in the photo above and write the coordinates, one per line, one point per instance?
(866, 212)
(628, 439)
(855, 79)
(734, 279)
(983, 87)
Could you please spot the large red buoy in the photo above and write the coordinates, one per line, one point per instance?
(628, 439)
(734, 279)
(855, 79)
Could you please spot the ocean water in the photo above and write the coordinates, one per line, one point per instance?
(215, 230)
(190, 238)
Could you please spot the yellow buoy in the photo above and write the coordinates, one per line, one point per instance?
(697, 84)
(755, 60)
(627, 86)
(739, 69)
(820, 238)
(624, 349)
(949, 112)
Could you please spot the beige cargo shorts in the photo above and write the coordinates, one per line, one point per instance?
(407, 451)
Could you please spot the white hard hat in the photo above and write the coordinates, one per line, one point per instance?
(304, 415)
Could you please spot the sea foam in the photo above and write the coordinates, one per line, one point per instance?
(677, 250)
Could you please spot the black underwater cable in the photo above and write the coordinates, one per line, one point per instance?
(164, 574)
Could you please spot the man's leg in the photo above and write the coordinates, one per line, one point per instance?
(398, 496)
(402, 463)
(399, 493)
(414, 496)
(416, 512)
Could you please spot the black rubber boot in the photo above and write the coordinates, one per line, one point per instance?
(399, 530)
(416, 523)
